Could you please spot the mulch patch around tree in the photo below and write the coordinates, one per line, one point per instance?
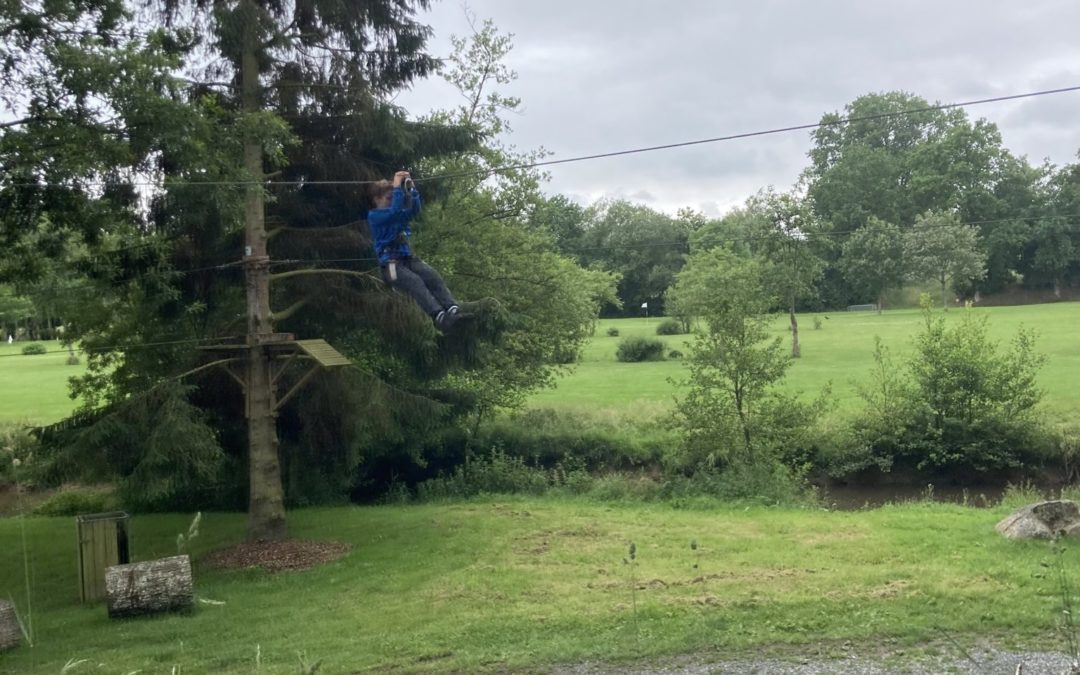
(277, 556)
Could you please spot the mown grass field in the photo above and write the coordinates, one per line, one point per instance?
(34, 389)
(497, 585)
(841, 352)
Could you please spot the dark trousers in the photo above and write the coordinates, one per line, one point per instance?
(420, 281)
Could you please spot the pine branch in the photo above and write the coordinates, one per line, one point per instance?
(291, 309)
(206, 366)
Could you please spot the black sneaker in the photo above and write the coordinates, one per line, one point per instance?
(444, 319)
(453, 310)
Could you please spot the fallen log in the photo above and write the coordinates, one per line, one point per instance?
(10, 632)
(149, 587)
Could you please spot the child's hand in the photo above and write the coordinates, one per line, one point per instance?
(400, 177)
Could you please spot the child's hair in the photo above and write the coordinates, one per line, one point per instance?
(381, 189)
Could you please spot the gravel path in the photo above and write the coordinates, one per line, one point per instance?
(984, 661)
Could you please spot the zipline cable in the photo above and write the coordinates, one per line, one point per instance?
(602, 155)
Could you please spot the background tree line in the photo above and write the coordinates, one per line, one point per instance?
(901, 198)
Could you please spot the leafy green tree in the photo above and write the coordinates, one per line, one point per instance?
(498, 238)
(894, 166)
(939, 247)
(14, 311)
(864, 168)
(787, 236)
(733, 414)
(733, 361)
(1054, 245)
(644, 247)
(325, 71)
(732, 231)
(564, 220)
(872, 259)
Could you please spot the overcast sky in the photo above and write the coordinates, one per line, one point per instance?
(603, 75)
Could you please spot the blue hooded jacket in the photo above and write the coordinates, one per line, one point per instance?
(387, 224)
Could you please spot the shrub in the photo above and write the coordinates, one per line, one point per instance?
(675, 354)
(565, 356)
(77, 501)
(613, 332)
(7, 468)
(33, 349)
(636, 349)
(17, 447)
(498, 473)
(548, 438)
(817, 323)
(961, 404)
(669, 327)
(764, 481)
(625, 487)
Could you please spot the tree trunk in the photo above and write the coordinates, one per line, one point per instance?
(1057, 288)
(10, 632)
(944, 298)
(149, 587)
(744, 422)
(880, 302)
(266, 504)
(795, 352)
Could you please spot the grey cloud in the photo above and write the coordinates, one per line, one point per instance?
(600, 76)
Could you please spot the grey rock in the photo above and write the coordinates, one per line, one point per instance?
(1042, 521)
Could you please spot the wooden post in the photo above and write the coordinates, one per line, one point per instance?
(102, 542)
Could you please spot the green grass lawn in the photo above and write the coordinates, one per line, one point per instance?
(840, 352)
(34, 389)
(512, 584)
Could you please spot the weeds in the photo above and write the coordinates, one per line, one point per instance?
(631, 562)
(307, 668)
(193, 531)
(71, 665)
(1065, 589)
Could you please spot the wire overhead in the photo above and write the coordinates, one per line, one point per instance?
(620, 153)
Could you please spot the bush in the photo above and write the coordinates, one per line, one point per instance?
(548, 438)
(961, 404)
(669, 327)
(33, 349)
(766, 482)
(565, 356)
(497, 473)
(613, 332)
(675, 354)
(77, 501)
(17, 446)
(637, 349)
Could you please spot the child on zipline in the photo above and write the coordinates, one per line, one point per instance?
(389, 223)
